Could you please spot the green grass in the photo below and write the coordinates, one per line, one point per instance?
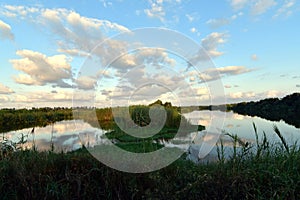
(259, 171)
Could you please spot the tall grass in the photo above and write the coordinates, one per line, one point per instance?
(255, 171)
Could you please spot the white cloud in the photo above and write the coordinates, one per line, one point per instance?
(285, 9)
(261, 6)
(272, 93)
(209, 48)
(253, 96)
(239, 4)
(86, 82)
(254, 57)
(202, 91)
(4, 100)
(216, 23)
(258, 7)
(75, 34)
(242, 96)
(106, 3)
(153, 56)
(164, 10)
(156, 10)
(5, 90)
(73, 52)
(38, 98)
(5, 31)
(233, 70)
(213, 40)
(217, 73)
(235, 16)
(18, 11)
(193, 30)
(192, 17)
(40, 69)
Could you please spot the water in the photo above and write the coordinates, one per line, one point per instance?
(70, 135)
(67, 135)
(204, 148)
(242, 125)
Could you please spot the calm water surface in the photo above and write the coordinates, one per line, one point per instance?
(72, 134)
(65, 135)
(243, 125)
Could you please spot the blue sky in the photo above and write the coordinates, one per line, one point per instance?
(253, 49)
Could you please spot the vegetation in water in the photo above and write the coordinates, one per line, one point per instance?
(15, 119)
(259, 171)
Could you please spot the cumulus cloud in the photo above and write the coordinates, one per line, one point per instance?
(156, 10)
(38, 98)
(4, 100)
(86, 82)
(272, 93)
(161, 10)
(241, 95)
(5, 90)
(212, 42)
(79, 34)
(145, 83)
(253, 96)
(76, 35)
(39, 69)
(5, 31)
(18, 11)
(144, 56)
(210, 46)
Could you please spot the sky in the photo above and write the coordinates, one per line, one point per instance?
(109, 53)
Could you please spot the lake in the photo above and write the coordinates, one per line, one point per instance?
(242, 125)
(70, 135)
(67, 135)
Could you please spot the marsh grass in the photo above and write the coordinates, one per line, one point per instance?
(256, 171)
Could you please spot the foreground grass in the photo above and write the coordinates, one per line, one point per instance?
(254, 171)
(45, 175)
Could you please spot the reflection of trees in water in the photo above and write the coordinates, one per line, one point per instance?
(12, 119)
(274, 109)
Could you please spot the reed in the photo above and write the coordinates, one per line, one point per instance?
(262, 170)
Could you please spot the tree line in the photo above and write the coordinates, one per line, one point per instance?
(275, 109)
(14, 119)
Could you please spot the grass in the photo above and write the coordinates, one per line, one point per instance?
(257, 171)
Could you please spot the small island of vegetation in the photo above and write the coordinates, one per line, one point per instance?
(259, 171)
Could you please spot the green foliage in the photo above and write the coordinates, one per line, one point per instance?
(12, 119)
(287, 109)
(271, 174)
